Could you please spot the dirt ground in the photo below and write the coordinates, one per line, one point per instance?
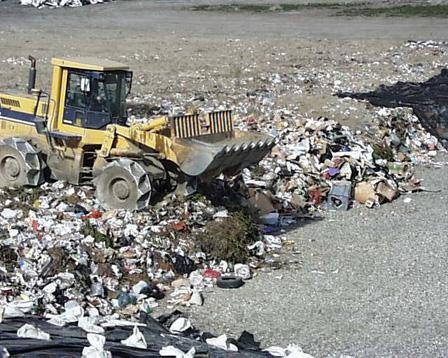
(360, 288)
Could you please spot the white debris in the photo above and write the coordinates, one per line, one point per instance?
(59, 3)
(136, 339)
(17, 309)
(221, 342)
(292, 351)
(180, 325)
(242, 271)
(96, 349)
(9, 214)
(4, 352)
(171, 351)
(30, 331)
(88, 324)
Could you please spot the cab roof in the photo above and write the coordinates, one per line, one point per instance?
(89, 63)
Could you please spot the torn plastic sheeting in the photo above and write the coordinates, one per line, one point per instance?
(429, 100)
(72, 340)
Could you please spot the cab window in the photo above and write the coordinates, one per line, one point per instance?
(75, 96)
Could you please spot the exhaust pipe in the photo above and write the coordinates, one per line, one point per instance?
(32, 75)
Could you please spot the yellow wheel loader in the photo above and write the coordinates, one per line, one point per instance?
(79, 132)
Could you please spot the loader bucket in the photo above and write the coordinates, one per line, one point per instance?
(209, 156)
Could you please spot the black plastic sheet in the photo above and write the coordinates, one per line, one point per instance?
(69, 341)
(429, 101)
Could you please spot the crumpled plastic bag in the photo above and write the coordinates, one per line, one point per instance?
(292, 351)
(196, 298)
(4, 352)
(180, 325)
(136, 339)
(16, 309)
(73, 312)
(221, 342)
(29, 331)
(96, 349)
(88, 325)
(242, 271)
(171, 351)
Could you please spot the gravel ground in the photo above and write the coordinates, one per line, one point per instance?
(371, 283)
(368, 282)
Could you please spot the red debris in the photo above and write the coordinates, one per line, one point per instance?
(35, 225)
(95, 214)
(210, 273)
(315, 196)
(180, 226)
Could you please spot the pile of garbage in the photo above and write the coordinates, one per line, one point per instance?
(65, 260)
(428, 101)
(57, 244)
(60, 3)
(61, 253)
(320, 164)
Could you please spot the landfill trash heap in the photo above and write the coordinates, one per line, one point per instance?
(322, 164)
(58, 244)
(63, 255)
(60, 3)
(427, 99)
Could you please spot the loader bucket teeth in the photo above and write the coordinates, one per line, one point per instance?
(208, 159)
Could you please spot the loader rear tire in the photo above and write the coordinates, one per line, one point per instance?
(123, 184)
(20, 164)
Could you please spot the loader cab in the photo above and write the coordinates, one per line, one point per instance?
(95, 99)
(92, 92)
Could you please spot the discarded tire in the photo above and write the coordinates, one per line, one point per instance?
(229, 282)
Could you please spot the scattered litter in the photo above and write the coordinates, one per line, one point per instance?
(88, 325)
(59, 3)
(96, 349)
(150, 337)
(292, 351)
(29, 331)
(4, 352)
(180, 325)
(136, 340)
(61, 254)
(171, 351)
(196, 298)
(222, 342)
(427, 99)
(242, 271)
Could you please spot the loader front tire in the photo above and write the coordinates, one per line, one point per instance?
(123, 184)
(20, 164)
